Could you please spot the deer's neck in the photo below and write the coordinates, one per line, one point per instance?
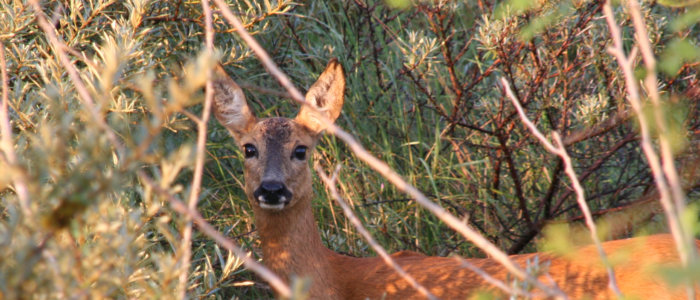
(292, 246)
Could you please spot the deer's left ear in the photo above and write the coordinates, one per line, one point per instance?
(326, 95)
(230, 106)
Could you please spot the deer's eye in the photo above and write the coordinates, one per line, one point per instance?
(250, 151)
(299, 153)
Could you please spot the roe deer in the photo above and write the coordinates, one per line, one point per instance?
(278, 185)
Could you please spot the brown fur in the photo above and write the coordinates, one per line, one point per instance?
(292, 245)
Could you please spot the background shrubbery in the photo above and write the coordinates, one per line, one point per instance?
(422, 95)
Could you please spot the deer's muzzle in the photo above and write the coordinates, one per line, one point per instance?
(272, 195)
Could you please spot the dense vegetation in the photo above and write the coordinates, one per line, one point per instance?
(422, 95)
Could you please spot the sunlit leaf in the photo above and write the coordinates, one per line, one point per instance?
(678, 52)
(679, 3)
(399, 4)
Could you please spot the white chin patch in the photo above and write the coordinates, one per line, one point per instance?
(278, 206)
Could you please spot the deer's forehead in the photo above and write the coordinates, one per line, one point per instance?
(280, 131)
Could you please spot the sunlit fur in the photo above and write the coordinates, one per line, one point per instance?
(292, 245)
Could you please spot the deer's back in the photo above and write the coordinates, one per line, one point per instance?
(579, 274)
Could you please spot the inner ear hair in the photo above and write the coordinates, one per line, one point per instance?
(326, 95)
(230, 106)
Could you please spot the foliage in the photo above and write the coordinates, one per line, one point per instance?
(422, 95)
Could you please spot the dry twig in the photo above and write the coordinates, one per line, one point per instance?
(330, 184)
(59, 48)
(626, 63)
(651, 84)
(6, 143)
(569, 170)
(195, 187)
(664, 171)
(206, 228)
(515, 291)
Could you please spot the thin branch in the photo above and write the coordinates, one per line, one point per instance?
(675, 196)
(515, 177)
(515, 291)
(595, 166)
(383, 169)
(261, 90)
(626, 64)
(6, 143)
(195, 187)
(330, 184)
(569, 170)
(597, 129)
(652, 89)
(209, 230)
(59, 48)
(259, 51)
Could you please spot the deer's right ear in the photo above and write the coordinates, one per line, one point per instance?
(325, 98)
(230, 106)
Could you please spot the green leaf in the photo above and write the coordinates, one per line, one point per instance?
(535, 27)
(399, 4)
(678, 52)
(520, 6)
(687, 19)
(680, 275)
(678, 3)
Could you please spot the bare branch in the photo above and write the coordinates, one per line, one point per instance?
(492, 280)
(59, 48)
(626, 64)
(664, 171)
(206, 228)
(596, 129)
(260, 52)
(569, 170)
(6, 143)
(651, 84)
(330, 184)
(195, 187)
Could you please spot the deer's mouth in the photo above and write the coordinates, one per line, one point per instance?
(277, 205)
(272, 195)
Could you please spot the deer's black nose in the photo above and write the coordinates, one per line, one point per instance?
(272, 193)
(271, 187)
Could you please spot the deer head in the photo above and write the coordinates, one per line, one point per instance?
(277, 174)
